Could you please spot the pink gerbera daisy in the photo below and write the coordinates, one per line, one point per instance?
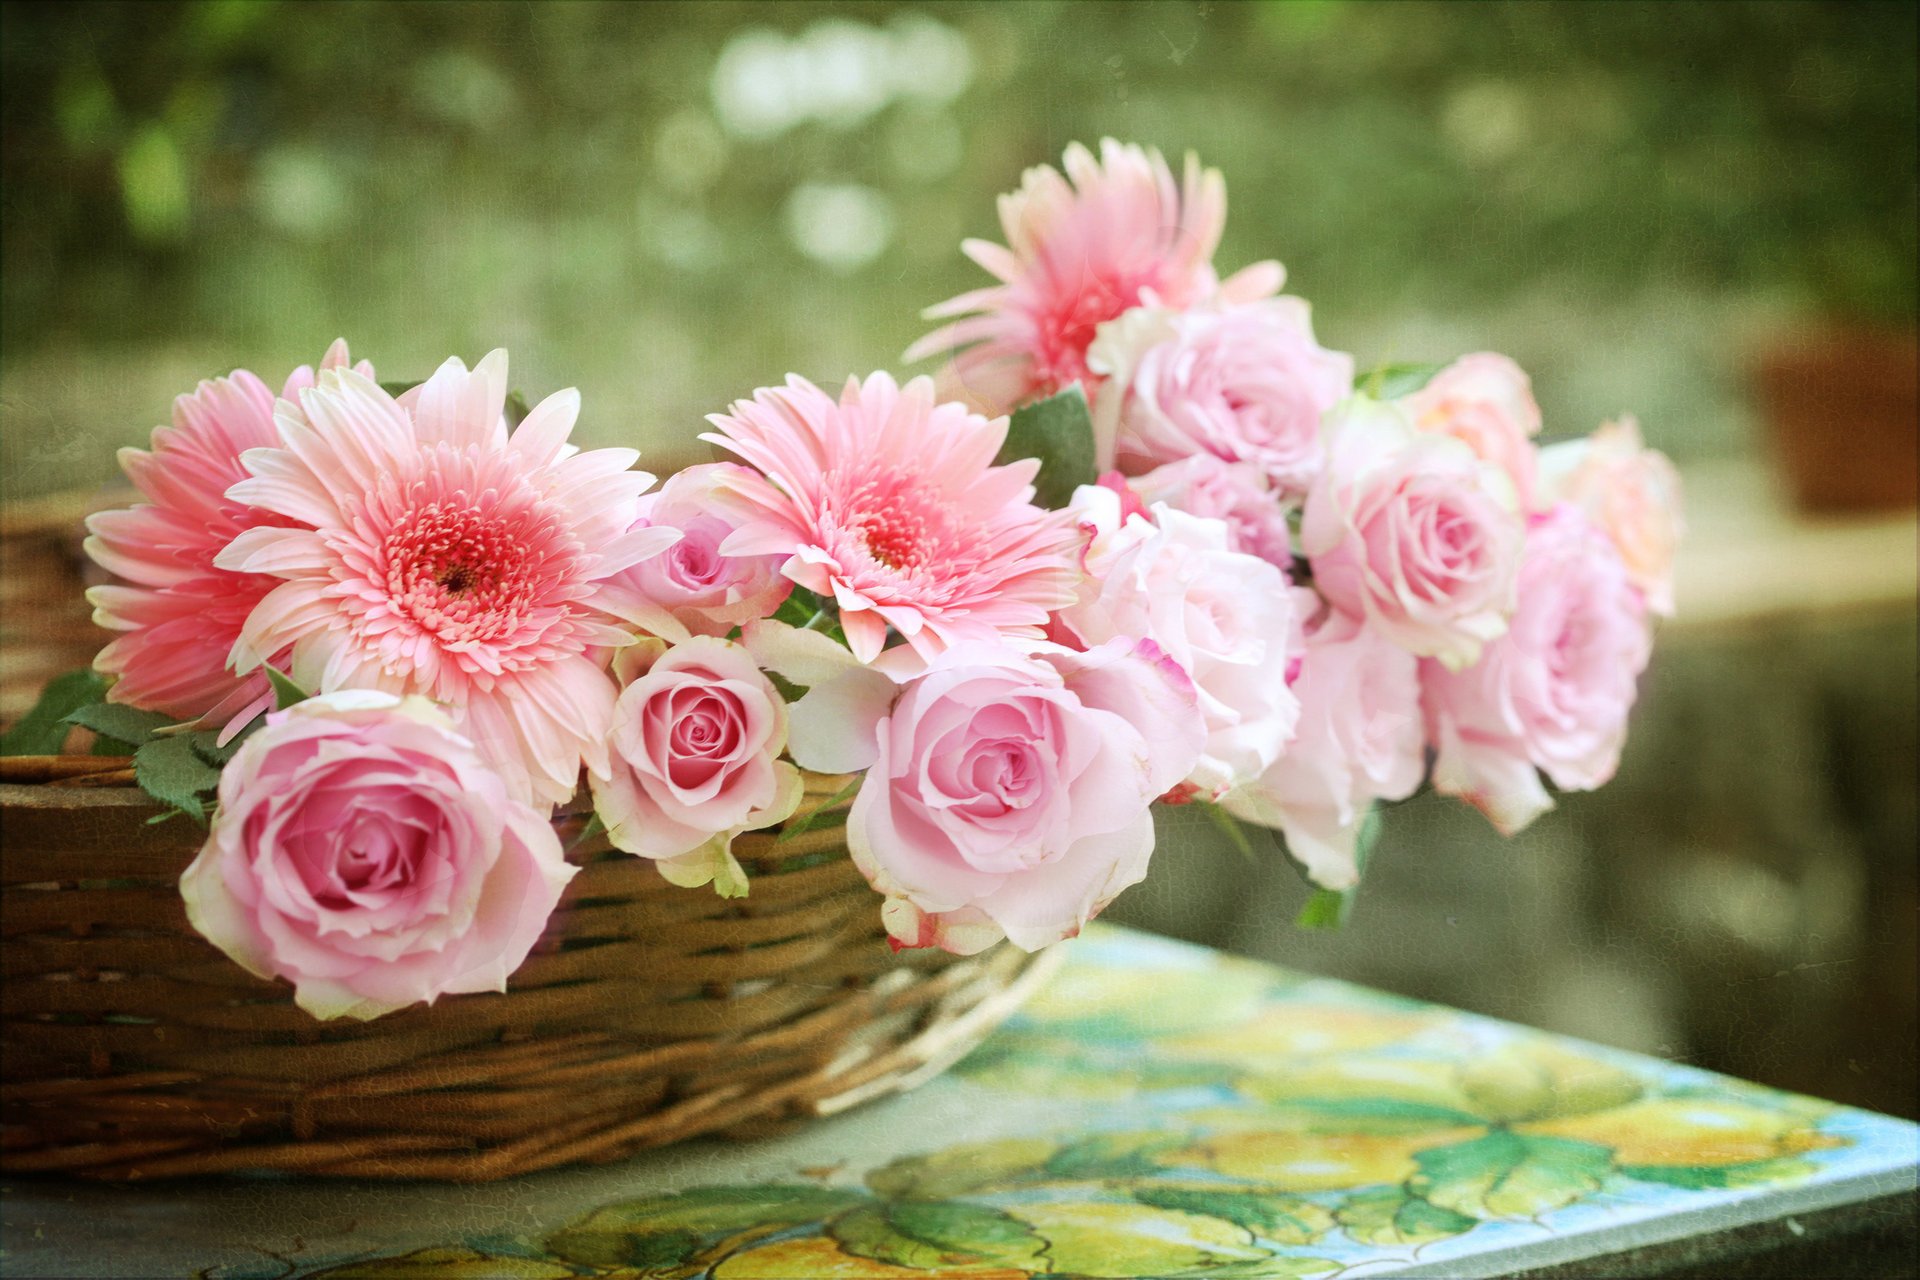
(890, 505)
(179, 614)
(1079, 254)
(438, 555)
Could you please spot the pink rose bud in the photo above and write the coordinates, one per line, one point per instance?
(365, 852)
(692, 588)
(694, 760)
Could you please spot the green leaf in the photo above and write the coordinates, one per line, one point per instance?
(285, 691)
(967, 1167)
(810, 612)
(828, 812)
(169, 770)
(1059, 432)
(1275, 1216)
(1231, 827)
(43, 730)
(1330, 908)
(1101, 1239)
(789, 691)
(206, 744)
(1506, 1175)
(1696, 1177)
(938, 1233)
(118, 721)
(676, 1228)
(517, 407)
(1389, 1218)
(1391, 381)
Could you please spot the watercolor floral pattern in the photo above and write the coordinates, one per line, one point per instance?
(1291, 1125)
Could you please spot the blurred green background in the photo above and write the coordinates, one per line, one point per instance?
(671, 204)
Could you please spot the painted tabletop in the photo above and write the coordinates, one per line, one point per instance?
(1157, 1110)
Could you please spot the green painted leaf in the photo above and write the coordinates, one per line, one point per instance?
(938, 1233)
(1059, 432)
(171, 772)
(43, 730)
(447, 1263)
(1129, 1240)
(957, 1170)
(1391, 381)
(1111, 1155)
(1390, 1217)
(676, 1228)
(285, 691)
(1506, 1175)
(1758, 1173)
(119, 721)
(1274, 1216)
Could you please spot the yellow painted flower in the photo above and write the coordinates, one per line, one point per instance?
(1297, 1030)
(1691, 1131)
(1300, 1161)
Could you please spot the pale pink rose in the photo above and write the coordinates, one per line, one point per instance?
(1226, 617)
(364, 851)
(177, 613)
(1115, 232)
(1010, 794)
(1485, 401)
(693, 588)
(1552, 693)
(1413, 533)
(1630, 491)
(1361, 739)
(694, 760)
(1242, 384)
(1235, 492)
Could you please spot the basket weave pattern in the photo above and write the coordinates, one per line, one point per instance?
(647, 1014)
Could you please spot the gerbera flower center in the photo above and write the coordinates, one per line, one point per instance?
(466, 574)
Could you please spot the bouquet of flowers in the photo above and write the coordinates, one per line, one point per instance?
(1141, 541)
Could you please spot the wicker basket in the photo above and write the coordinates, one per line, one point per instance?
(647, 1014)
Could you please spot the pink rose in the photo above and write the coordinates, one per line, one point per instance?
(1630, 491)
(1361, 739)
(1226, 617)
(1009, 793)
(1235, 492)
(691, 588)
(1485, 401)
(363, 851)
(1243, 384)
(694, 760)
(1553, 692)
(1413, 533)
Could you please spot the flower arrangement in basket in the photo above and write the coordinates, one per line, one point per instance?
(435, 692)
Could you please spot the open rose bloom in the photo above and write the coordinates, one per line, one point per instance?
(1219, 566)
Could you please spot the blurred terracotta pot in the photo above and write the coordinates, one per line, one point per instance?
(1842, 405)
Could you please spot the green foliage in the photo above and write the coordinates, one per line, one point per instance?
(1275, 1216)
(120, 722)
(285, 691)
(172, 772)
(828, 814)
(1059, 432)
(810, 612)
(1330, 908)
(43, 730)
(1391, 381)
